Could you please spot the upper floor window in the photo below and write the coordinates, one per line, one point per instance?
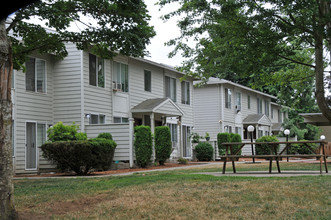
(259, 106)
(170, 88)
(238, 101)
(121, 76)
(185, 92)
(148, 80)
(266, 106)
(227, 98)
(35, 77)
(96, 71)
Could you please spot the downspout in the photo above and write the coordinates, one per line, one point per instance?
(82, 109)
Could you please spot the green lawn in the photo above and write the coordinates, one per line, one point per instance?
(179, 194)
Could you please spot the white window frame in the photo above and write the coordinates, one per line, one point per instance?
(171, 89)
(98, 115)
(238, 101)
(150, 85)
(227, 98)
(36, 76)
(97, 60)
(119, 81)
(259, 106)
(186, 90)
(121, 120)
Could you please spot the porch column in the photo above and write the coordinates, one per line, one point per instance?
(152, 129)
(180, 144)
(131, 125)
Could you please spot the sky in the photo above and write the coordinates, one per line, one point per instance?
(165, 31)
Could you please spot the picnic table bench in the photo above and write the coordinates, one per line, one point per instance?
(274, 155)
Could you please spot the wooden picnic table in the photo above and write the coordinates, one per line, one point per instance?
(274, 155)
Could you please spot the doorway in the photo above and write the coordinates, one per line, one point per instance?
(31, 146)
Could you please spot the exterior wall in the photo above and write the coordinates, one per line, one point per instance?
(31, 107)
(97, 100)
(207, 111)
(67, 87)
(120, 133)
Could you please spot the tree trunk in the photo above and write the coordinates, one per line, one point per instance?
(319, 59)
(7, 208)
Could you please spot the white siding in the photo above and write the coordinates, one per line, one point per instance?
(67, 87)
(98, 100)
(207, 111)
(33, 107)
(120, 133)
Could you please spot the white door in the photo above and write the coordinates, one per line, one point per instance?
(31, 146)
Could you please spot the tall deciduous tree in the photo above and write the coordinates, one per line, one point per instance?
(107, 25)
(245, 40)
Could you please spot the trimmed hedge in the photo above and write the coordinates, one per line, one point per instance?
(204, 151)
(235, 138)
(105, 135)
(80, 156)
(301, 148)
(222, 138)
(163, 146)
(143, 145)
(264, 149)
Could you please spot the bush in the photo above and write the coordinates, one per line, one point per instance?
(143, 145)
(301, 148)
(61, 132)
(182, 160)
(235, 138)
(163, 146)
(264, 149)
(105, 135)
(222, 138)
(204, 151)
(80, 156)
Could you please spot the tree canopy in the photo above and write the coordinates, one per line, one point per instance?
(248, 41)
(110, 26)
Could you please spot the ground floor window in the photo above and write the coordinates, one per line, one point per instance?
(97, 119)
(121, 120)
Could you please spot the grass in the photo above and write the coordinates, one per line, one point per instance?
(179, 194)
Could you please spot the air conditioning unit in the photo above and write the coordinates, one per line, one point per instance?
(117, 86)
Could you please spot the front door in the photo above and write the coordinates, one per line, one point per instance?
(31, 146)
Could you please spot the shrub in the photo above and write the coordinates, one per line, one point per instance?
(163, 146)
(204, 151)
(61, 132)
(235, 138)
(301, 148)
(80, 156)
(105, 135)
(182, 160)
(143, 145)
(264, 149)
(222, 138)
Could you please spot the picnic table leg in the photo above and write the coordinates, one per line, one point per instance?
(324, 157)
(224, 165)
(277, 159)
(232, 159)
(321, 159)
(270, 165)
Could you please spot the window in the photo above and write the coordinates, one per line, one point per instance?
(121, 76)
(248, 102)
(228, 129)
(259, 106)
(238, 101)
(41, 134)
(185, 93)
(173, 132)
(148, 80)
(260, 133)
(170, 88)
(96, 71)
(238, 130)
(97, 119)
(35, 77)
(227, 98)
(121, 120)
(272, 113)
(280, 120)
(266, 108)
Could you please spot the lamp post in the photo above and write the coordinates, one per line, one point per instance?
(287, 132)
(250, 130)
(322, 137)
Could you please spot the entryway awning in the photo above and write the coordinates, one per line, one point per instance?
(164, 106)
(259, 119)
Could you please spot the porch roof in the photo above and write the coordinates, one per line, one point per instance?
(164, 106)
(260, 119)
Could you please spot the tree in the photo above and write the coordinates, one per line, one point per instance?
(112, 27)
(248, 40)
